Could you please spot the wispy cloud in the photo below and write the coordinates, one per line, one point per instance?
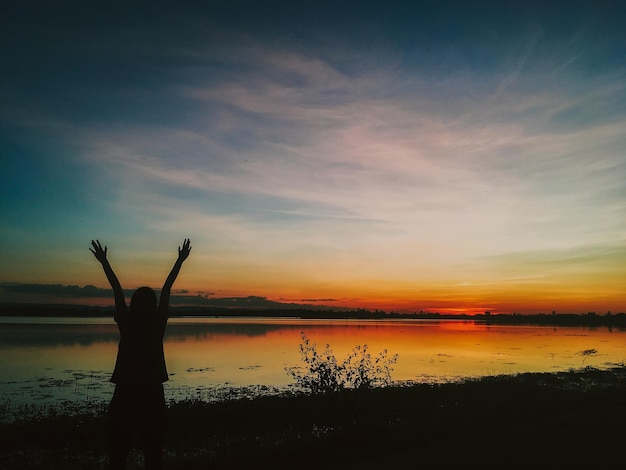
(401, 162)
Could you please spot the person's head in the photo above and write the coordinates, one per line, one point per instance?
(143, 303)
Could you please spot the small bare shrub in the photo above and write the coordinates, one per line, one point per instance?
(586, 354)
(323, 373)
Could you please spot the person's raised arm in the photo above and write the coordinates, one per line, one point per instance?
(101, 255)
(183, 254)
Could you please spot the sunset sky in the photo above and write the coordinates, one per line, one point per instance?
(394, 155)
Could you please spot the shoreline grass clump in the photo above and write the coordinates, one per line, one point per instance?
(323, 373)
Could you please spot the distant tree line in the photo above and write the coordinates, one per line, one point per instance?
(583, 319)
(564, 319)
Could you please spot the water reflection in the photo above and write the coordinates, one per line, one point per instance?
(74, 359)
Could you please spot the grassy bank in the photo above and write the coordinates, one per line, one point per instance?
(560, 420)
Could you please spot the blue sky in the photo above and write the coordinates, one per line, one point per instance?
(400, 155)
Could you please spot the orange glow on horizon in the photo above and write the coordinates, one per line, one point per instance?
(587, 294)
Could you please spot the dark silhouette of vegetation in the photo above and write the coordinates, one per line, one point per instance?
(586, 353)
(323, 373)
(540, 421)
(556, 319)
(239, 310)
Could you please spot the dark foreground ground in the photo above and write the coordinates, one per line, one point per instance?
(529, 421)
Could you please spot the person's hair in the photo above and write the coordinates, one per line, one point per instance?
(143, 303)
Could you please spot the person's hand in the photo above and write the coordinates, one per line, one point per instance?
(99, 252)
(183, 253)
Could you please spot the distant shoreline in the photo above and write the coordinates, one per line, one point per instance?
(590, 319)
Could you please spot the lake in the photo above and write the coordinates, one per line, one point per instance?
(52, 360)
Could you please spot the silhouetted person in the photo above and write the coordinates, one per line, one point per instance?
(138, 403)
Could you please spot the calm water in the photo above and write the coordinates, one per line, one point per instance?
(52, 360)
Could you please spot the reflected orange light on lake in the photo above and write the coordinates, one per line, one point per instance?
(426, 349)
(49, 359)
